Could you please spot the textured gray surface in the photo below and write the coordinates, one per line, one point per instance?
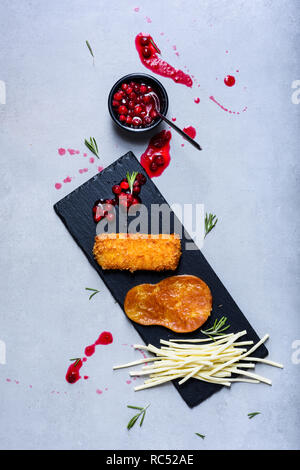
(248, 174)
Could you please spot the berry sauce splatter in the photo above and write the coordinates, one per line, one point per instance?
(212, 98)
(148, 52)
(73, 373)
(157, 157)
(229, 80)
(190, 131)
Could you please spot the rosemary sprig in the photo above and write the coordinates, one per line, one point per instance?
(210, 223)
(155, 46)
(95, 291)
(131, 179)
(251, 415)
(77, 359)
(142, 412)
(217, 328)
(92, 146)
(200, 435)
(89, 48)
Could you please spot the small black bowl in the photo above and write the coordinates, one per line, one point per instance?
(158, 88)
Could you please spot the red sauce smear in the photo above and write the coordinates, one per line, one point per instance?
(190, 131)
(229, 80)
(148, 52)
(212, 98)
(73, 373)
(159, 146)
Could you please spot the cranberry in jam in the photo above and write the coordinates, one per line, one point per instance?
(134, 103)
(125, 196)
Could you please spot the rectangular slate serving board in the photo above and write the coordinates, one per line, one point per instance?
(75, 211)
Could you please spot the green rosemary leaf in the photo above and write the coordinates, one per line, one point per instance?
(210, 222)
(90, 49)
(200, 435)
(136, 417)
(251, 415)
(77, 359)
(217, 329)
(95, 291)
(155, 46)
(133, 421)
(131, 179)
(143, 417)
(92, 146)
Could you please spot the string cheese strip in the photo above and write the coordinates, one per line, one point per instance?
(213, 362)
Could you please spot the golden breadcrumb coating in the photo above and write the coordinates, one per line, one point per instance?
(137, 251)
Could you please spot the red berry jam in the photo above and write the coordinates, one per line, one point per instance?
(125, 196)
(134, 104)
(156, 158)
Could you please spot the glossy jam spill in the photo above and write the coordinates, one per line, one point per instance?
(134, 106)
(73, 373)
(122, 196)
(148, 52)
(156, 158)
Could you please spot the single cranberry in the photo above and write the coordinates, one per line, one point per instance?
(143, 89)
(122, 110)
(136, 121)
(131, 104)
(124, 185)
(153, 166)
(108, 207)
(110, 216)
(132, 84)
(153, 114)
(124, 101)
(138, 109)
(124, 86)
(136, 88)
(118, 96)
(147, 120)
(159, 160)
(128, 120)
(116, 189)
(122, 117)
(129, 90)
(115, 103)
(135, 201)
(111, 201)
(146, 51)
(132, 96)
(136, 189)
(140, 178)
(144, 41)
(147, 99)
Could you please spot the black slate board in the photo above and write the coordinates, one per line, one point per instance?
(75, 212)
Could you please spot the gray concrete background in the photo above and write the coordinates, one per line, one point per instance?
(248, 174)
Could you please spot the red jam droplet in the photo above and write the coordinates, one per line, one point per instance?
(153, 62)
(89, 350)
(105, 338)
(73, 373)
(156, 158)
(229, 80)
(190, 131)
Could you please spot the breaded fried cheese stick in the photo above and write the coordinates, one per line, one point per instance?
(137, 251)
